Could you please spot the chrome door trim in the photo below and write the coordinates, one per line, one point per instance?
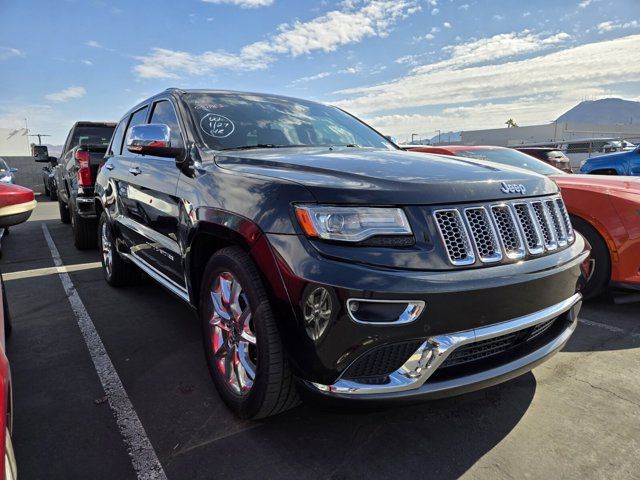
(149, 233)
(159, 277)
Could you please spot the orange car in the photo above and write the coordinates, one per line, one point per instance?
(604, 209)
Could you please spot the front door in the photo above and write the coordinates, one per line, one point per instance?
(153, 205)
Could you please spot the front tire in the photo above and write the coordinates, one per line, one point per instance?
(117, 272)
(243, 348)
(600, 267)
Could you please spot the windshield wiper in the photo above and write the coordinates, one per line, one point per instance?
(263, 145)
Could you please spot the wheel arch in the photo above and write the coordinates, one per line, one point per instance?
(218, 229)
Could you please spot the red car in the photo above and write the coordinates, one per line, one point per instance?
(604, 209)
(16, 205)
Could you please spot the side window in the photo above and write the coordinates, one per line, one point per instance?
(163, 112)
(137, 118)
(118, 136)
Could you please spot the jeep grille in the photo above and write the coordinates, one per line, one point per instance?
(509, 230)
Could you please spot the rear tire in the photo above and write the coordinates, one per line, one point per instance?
(272, 389)
(54, 193)
(117, 272)
(65, 217)
(85, 233)
(46, 190)
(600, 273)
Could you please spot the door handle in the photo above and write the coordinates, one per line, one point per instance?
(109, 166)
(135, 171)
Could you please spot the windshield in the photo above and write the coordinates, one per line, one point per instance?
(239, 120)
(92, 136)
(3, 165)
(511, 157)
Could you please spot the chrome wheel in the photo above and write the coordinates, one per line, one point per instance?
(317, 312)
(107, 250)
(233, 339)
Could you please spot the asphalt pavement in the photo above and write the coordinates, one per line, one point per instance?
(576, 416)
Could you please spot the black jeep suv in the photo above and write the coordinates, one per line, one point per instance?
(320, 256)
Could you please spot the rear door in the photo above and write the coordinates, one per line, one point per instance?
(153, 203)
(119, 163)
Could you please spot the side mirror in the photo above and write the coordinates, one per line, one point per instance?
(152, 139)
(40, 153)
(13, 169)
(53, 161)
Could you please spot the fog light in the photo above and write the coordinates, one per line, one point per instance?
(317, 311)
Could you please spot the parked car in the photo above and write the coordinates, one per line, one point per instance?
(552, 156)
(8, 469)
(603, 209)
(16, 205)
(81, 155)
(6, 172)
(621, 163)
(319, 254)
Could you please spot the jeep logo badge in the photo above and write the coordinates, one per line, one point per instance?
(513, 188)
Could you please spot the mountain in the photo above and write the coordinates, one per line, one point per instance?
(54, 150)
(606, 111)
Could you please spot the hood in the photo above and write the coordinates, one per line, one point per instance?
(601, 183)
(384, 177)
(611, 157)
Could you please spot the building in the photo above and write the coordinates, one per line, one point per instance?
(14, 142)
(549, 133)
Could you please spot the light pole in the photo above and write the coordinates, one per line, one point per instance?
(413, 135)
(39, 135)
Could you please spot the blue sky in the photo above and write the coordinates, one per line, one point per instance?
(406, 66)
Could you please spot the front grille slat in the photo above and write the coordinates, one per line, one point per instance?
(510, 230)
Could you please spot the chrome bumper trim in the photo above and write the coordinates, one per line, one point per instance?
(411, 312)
(411, 376)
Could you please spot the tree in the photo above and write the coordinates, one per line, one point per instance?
(510, 123)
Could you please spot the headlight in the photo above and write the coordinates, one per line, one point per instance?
(351, 224)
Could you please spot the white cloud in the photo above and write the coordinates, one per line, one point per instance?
(435, 29)
(565, 73)
(351, 24)
(498, 17)
(8, 52)
(464, 6)
(311, 78)
(446, 25)
(66, 94)
(584, 4)
(243, 3)
(605, 27)
(95, 44)
(501, 46)
(87, 62)
(435, 11)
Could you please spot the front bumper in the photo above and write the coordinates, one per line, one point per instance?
(413, 379)
(447, 301)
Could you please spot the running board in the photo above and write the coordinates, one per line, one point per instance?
(158, 276)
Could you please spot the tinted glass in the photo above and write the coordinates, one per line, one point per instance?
(3, 165)
(510, 157)
(137, 118)
(118, 136)
(163, 112)
(232, 120)
(100, 136)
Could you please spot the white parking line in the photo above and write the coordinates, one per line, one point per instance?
(39, 272)
(143, 457)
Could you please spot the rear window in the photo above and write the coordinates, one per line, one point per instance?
(98, 135)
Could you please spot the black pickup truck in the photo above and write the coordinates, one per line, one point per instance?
(321, 257)
(75, 175)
